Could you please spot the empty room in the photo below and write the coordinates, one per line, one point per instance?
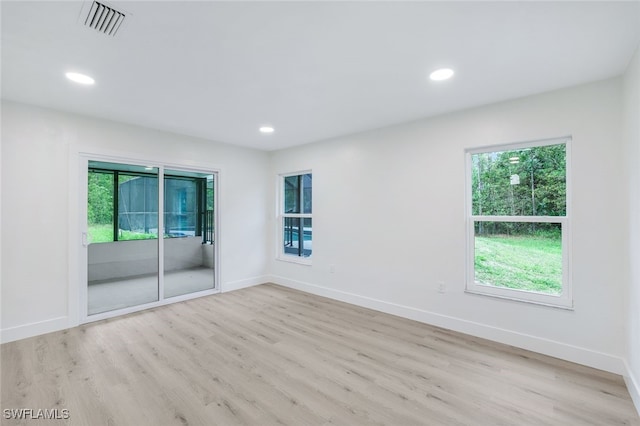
(319, 212)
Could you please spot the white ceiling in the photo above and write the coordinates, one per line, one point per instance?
(312, 70)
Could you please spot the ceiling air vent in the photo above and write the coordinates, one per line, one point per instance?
(104, 19)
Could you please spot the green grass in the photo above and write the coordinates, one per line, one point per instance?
(521, 262)
(104, 234)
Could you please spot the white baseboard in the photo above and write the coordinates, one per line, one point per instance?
(248, 282)
(599, 360)
(633, 384)
(560, 350)
(34, 329)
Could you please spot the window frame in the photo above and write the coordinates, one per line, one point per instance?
(563, 300)
(281, 215)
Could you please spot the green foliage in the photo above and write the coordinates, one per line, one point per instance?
(521, 262)
(528, 229)
(100, 198)
(524, 182)
(104, 234)
(541, 190)
(100, 233)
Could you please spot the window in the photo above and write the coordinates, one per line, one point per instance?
(296, 217)
(123, 203)
(518, 222)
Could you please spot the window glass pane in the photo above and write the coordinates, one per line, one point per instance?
(122, 205)
(188, 232)
(208, 225)
(519, 255)
(306, 192)
(134, 190)
(297, 241)
(308, 234)
(100, 206)
(137, 206)
(180, 207)
(292, 194)
(523, 182)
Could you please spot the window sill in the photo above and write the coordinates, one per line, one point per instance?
(521, 300)
(295, 259)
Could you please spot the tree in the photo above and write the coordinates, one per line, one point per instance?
(540, 191)
(100, 198)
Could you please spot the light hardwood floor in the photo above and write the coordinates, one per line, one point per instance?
(268, 355)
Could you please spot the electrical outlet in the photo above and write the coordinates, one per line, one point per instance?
(332, 268)
(442, 287)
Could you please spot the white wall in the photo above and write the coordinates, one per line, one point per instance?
(1, 334)
(631, 89)
(389, 214)
(38, 147)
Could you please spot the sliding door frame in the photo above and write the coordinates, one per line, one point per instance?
(78, 253)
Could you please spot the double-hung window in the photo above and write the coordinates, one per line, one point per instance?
(295, 217)
(518, 222)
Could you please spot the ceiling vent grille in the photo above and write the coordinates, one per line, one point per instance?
(104, 19)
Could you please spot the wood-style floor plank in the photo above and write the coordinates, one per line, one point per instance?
(269, 355)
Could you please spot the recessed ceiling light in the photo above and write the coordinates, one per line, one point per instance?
(441, 74)
(266, 129)
(80, 78)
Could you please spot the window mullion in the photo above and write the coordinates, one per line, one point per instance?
(116, 201)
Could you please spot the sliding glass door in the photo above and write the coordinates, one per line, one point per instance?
(189, 232)
(128, 265)
(122, 219)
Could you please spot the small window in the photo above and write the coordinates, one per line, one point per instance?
(518, 222)
(295, 219)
